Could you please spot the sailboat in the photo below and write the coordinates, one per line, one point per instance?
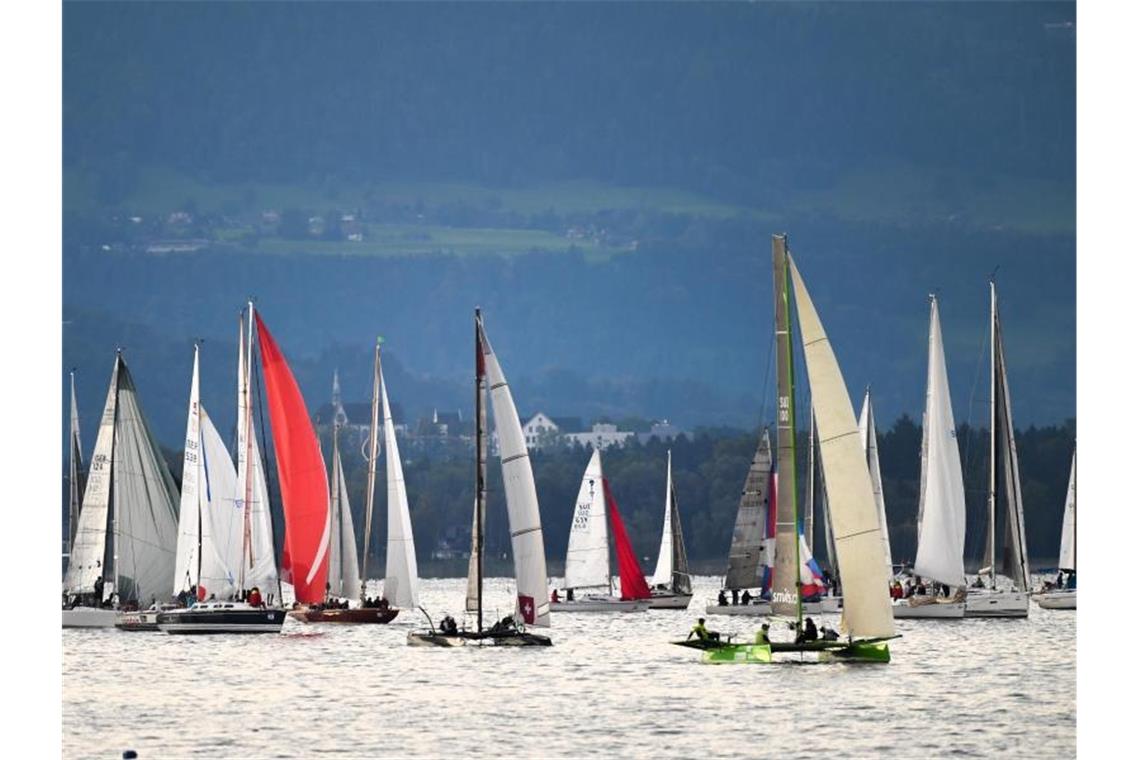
(125, 537)
(866, 617)
(301, 473)
(942, 497)
(987, 600)
(672, 585)
(588, 553)
(532, 606)
(1065, 598)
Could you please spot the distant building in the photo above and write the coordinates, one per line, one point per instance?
(539, 432)
(662, 431)
(602, 436)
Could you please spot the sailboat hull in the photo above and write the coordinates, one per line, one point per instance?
(667, 600)
(1057, 600)
(601, 604)
(222, 617)
(141, 620)
(89, 617)
(903, 609)
(871, 651)
(472, 638)
(357, 615)
(997, 604)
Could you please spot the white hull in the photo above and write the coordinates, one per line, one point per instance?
(89, 617)
(1057, 600)
(935, 611)
(997, 604)
(601, 604)
(669, 601)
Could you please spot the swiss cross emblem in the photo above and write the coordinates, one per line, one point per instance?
(526, 607)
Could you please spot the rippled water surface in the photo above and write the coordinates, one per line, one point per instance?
(611, 683)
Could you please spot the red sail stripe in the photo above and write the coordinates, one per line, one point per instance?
(633, 585)
(301, 473)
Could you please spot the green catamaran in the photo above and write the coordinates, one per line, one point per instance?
(867, 622)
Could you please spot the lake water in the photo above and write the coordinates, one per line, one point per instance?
(611, 683)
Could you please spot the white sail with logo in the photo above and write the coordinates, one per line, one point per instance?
(851, 500)
(522, 499)
(942, 509)
(588, 549)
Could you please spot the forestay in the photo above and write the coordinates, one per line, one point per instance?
(854, 516)
(942, 510)
(522, 500)
(588, 549)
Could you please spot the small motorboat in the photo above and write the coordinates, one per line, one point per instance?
(321, 614)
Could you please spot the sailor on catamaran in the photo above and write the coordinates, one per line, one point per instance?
(704, 634)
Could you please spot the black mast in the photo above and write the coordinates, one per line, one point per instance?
(480, 463)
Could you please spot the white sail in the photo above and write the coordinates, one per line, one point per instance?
(259, 565)
(869, 437)
(663, 573)
(401, 580)
(1067, 560)
(588, 550)
(75, 471)
(942, 510)
(522, 500)
(472, 601)
(751, 548)
(851, 501)
(189, 512)
(90, 557)
(221, 515)
(343, 573)
(145, 504)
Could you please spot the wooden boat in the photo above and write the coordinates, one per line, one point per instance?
(942, 496)
(857, 535)
(125, 535)
(588, 552)
(671, 584)
(993, 601)
(317, 614)
(532, 595)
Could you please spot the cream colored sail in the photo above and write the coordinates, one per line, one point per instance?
(851, 500)
(942, 510)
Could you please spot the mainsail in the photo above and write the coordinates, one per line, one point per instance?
(343, 574)
(854, 515)
(752, 547)
(633, 584)
(188, 552)
(74, 470)
(259, 566)
(301, 472)
(1003, 457)
(869, 438)
(1067, 559)
(522, 500)
(942, 507)
(401, 582)
(672, 561)
(588, 548)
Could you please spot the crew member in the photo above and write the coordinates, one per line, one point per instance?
(762, 635)
(703, 634)
(254, 598)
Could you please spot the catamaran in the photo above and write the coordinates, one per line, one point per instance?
(588, 553)
(122, 555)
(532, 606)
(866, 616)
(672, 587)
(989, 600)
(942, 495)
(302, 476)
(1065, 598)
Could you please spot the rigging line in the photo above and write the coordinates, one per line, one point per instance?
(972, 465)
(767, 378)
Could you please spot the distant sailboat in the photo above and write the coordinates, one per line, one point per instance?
(866, 617)
(942, 498)
(588, 553)
(532, 606)
(123, 552)
(1065, 597)
(990, 601)
(672, 584)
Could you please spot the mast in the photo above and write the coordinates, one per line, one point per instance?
(198, 466)
(336, 517)
(372, 454)
(480, 465)
(991, 534)
(786, 588)
(246, 437)
(809, 502)
(113, 500)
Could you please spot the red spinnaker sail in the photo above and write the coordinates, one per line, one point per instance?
(633, 585)
(301, 472)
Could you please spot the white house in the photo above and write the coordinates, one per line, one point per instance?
(601, 436)
(538, 431)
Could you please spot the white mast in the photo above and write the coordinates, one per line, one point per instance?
(990, 553)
